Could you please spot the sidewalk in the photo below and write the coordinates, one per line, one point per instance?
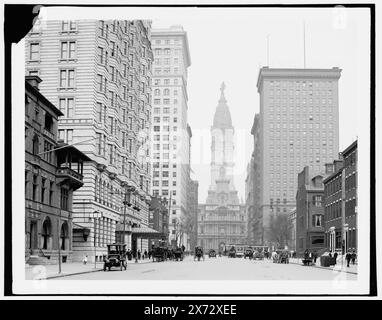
(340, 267)
(41, 272)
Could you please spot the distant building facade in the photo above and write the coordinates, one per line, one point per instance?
(249, 201)
(98, 73)
(298, 126)
(51, 176)
(222, 219)
(341, 202)
(193, 213)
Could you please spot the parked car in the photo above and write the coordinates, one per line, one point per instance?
(116, 257)
(248, 253)
(212, 253)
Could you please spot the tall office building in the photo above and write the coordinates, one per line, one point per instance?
(222, 219)
(170, 133)
(98, 73)
(298, 127)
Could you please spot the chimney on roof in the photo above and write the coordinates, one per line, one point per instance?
(34, 81)
(329, 168)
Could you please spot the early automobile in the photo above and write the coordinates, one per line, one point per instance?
(248, 253)
(212, 253)
(116, 257)
(232, 252)
(199, 253)
(258, 255)
(159, 254)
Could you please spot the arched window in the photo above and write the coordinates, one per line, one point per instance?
(46, 233)
(157, 92)
(36, 146)
(166, 92)
(64, 236)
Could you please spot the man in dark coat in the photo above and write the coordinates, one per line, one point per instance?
(348, 258)
(335, 257)
(353, 257)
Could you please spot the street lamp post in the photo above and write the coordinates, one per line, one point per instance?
(59, 244)
(95, 215)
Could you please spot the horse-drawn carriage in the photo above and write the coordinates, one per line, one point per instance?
(178, 254)
(199, 253)
(159, 254)
(281, 256)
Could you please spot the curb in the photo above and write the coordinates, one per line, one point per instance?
(326, 268)
(71, 274)
(84, 272)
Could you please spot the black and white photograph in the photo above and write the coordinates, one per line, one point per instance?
(194, 149)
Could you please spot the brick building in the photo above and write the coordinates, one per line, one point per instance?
(341, 202)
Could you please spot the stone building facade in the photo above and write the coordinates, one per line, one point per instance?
(98, 73)
(53, 171)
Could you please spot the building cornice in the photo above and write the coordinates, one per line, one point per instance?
(292, 73)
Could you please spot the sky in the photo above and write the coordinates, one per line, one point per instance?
(230, 45)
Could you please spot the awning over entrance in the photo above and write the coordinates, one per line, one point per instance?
(147, 233)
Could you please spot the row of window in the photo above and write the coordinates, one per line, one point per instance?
(164, 128)
(165, 137)
(166, 61)
(42, 190)
(166, 92)
(158, 82)
(166, 51)
(167, 41)
(301, 83)
(165, 110)
(166, 70)
(165, 156)
(165, 174)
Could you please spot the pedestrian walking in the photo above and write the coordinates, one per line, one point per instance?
(335, 257)
(139, 255)
(145, 254)
(348, 257)
(353, 257)
(85, 259)
(315, 256)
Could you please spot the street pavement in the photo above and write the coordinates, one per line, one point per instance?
(220, 268)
